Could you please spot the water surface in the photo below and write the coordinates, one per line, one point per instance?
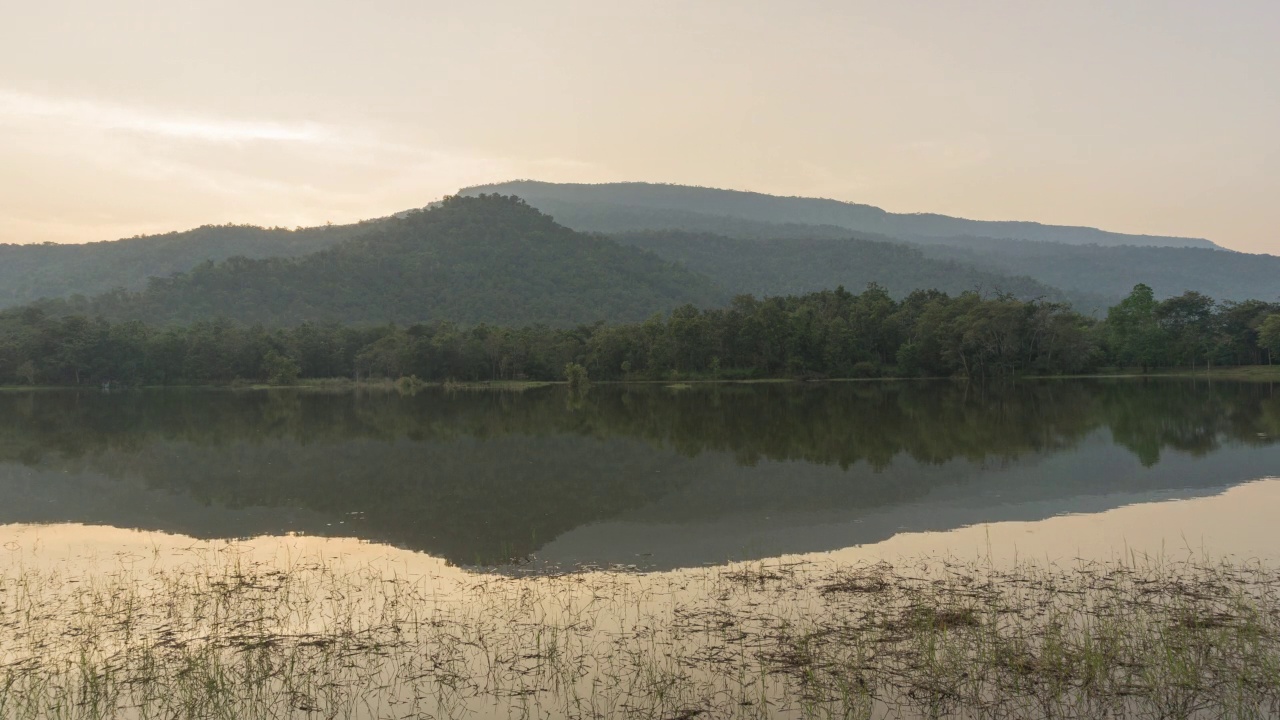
(658, 477)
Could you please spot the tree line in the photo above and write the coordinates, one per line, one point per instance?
(832, 333)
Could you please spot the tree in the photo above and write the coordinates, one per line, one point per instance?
(1133, 331)
(1269, 336)
(1188, 324)
(280, 370)
(27, 371)
(828, 333)
(75, 347)
(1237, 325)
(388, 356)
(577, 376)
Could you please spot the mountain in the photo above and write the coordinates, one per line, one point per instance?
(488, 259)
(1111, 272)
(31, 272)
(408, 268)
(1089, 267)
(615, 207)
(803, 265)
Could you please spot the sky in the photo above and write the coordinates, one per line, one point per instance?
(132, 117)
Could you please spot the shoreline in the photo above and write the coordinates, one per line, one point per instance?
(1247, 373)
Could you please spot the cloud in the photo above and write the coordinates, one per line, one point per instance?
(26, 108)
(106, 167)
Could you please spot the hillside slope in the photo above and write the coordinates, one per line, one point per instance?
(1089, 274)
(31, 272)
(471, 260)
(765, 267)
(1113, 271)
(603, 207)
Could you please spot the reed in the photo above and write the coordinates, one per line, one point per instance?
(223, 637)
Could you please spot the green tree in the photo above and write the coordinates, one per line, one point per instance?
(1237, 325)
(280, 369)
(577, 377)
(1133, 330)
(27, 371)
(76, 341)
(1269, 336)
(1187, 322)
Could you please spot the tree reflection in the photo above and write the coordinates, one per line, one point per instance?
(488, 476)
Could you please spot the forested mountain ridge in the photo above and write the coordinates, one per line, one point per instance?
(739, 254)
(615, 220)
(592, 207)
(764, 267)
(1090, 266)
(1111, 272)
(31, 272)
(470, 260)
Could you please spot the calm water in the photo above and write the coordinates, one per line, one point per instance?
(657, 477)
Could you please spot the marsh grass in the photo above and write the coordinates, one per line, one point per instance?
(503, 385)
(218, 636)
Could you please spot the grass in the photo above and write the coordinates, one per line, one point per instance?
(1251, 373)
(220, 637)
(1268, 373)
(509, 385)
(1262, 373)
(402, 385)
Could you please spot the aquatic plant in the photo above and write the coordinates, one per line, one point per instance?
(215, 635)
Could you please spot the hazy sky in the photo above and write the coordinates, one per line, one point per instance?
(127, 117)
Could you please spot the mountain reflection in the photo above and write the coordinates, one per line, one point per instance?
(485, 477)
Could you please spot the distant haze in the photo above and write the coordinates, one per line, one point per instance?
(1147, 116)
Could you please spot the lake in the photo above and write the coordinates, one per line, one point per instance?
(662, 496)
(646, 475)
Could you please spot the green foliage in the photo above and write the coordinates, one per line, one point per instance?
(1187, 330)
(280, 369)
(577, 376)
(1091, 268)
(1189, 327)
(832, 333)
(1269, 335)
(1133, 330)
(801, 265)
(488, 259)
(32, 272)
(410, 385)
(495, 264)
(1110, 272)
(26, 372)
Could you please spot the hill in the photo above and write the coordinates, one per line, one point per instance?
(31, 272)
(488, 259)
(803, 265)
(614, 207)
(1111, 272)
(764, 250)
(1090, 266)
